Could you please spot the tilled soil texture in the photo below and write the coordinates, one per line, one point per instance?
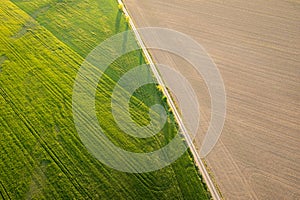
(255, 45)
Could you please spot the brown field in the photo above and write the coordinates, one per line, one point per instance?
(255, 44)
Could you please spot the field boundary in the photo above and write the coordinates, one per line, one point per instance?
(214, 192)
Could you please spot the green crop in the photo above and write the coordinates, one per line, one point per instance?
(42, 45)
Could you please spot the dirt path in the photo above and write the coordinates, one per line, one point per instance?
(209, 182)
(256, 46)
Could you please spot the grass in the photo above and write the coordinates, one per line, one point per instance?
(43, 43)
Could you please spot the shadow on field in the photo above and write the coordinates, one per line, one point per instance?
(125, 38)
(141, 58)
(118, 19)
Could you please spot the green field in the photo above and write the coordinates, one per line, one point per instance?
(42, 46)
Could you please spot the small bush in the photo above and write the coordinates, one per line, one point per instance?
(121, 6)
(159, 87)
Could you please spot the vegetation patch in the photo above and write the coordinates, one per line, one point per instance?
(42, 156)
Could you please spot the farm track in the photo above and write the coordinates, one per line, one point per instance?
(55, 91)
(182, 128)
(5, 194)
(48, 149)
(256, 47)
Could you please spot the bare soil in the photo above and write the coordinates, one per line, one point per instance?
(255, 44)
